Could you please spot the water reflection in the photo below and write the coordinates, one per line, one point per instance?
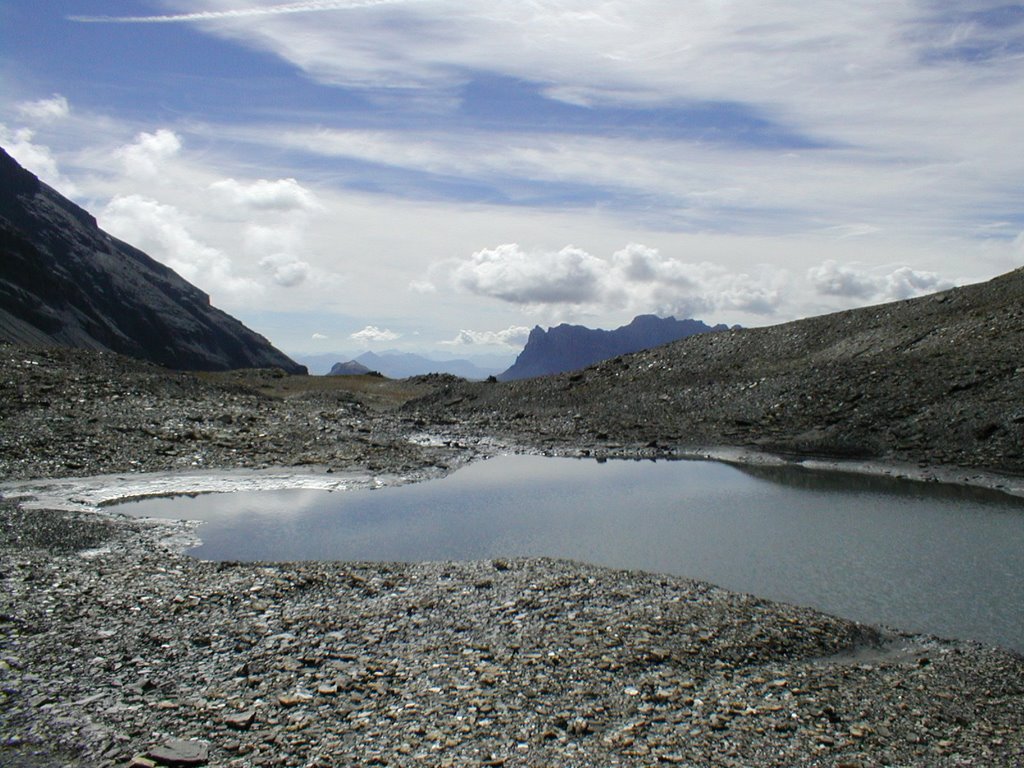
(926, 557)
(796, 476)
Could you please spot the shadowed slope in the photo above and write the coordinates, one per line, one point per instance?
(66, 282)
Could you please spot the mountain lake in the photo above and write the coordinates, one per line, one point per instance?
(925, 557)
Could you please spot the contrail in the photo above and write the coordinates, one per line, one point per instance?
(238, 13)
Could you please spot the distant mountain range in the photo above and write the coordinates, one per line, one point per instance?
(571, 347)
(402, 365)
(65, 282)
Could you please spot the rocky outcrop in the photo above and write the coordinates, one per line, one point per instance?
(66, 282)
(571, 347)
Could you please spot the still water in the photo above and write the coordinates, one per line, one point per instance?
(923, 557)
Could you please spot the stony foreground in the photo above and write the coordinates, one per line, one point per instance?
(126, 649)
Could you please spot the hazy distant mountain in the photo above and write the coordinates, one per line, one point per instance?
(65, 282)
(351, 368)
(570, 347)
(477, 366)
(401, 365)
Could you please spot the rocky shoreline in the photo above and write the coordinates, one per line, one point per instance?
(116, 649)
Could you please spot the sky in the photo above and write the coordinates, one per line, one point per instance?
(439, 177)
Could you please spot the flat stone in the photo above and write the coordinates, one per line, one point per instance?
(179, 752)
(292, 699)
(241, 721)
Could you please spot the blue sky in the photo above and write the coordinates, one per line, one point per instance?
(441, 176)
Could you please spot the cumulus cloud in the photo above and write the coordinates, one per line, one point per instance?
(568, 276)
(372, 333)
(276, 249)
(319, 337)
(514, 336)
(904, 283)
(833, 279)
(144, 157)
(45, 110)
(285, 270)
(282, 195)
(636, 278)
(163, 232)
(859, 282)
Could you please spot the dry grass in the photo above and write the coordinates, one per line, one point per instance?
(372, 391)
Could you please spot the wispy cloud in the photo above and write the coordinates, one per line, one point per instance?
(45, 110)
(239, 13)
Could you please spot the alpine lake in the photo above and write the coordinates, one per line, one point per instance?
(924, 557)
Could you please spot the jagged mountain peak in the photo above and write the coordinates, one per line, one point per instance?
(570, 347)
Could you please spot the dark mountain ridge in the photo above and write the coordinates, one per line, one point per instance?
(571, 347)
(66, 282)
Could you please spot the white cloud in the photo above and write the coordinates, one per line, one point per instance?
(637, 278)
(829, 134)
(45, 110)
(163, 232)
(319, 337)
(275, 248)
(861, 282)
(514, 336)
(861, 92)
(282, 195)
(834, 279)
(905, 283)
(145, 157)
(285, 270)
(372, 333)
(37, 158)
(568, 276)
